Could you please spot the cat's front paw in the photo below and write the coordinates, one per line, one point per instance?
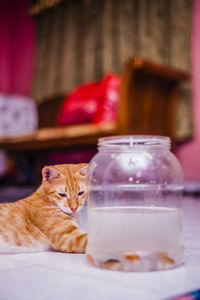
(82, 243)
(76, 244)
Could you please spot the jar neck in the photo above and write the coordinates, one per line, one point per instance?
(133, 143)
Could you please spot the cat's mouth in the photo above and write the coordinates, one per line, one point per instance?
(67, 210)
(70, 214)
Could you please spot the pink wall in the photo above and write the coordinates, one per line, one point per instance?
(189, 153)
(5, 46)
(23, 31)
(16, 47)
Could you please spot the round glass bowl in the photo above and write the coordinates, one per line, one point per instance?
(134, 205)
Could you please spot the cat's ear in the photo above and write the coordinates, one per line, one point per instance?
(49, 174)
(82, 172)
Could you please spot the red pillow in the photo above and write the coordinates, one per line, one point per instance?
(91, 102)
(108, 103)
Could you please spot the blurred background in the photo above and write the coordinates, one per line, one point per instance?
(72, 71)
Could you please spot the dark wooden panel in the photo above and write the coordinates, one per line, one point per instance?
(148, 98)
(48, 111)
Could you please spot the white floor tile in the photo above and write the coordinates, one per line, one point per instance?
(8, 263)
(45, 284)
(160, 283)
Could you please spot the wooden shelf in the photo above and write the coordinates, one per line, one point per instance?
(148, 96)
(59, 137)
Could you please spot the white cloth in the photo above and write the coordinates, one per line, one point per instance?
(18, 115)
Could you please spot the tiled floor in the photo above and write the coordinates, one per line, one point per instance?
(53, 275)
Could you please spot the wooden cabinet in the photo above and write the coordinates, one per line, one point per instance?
(148, 98)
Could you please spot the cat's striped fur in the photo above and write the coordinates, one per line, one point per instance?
(46, 219)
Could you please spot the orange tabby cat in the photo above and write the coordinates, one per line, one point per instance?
(45, 220)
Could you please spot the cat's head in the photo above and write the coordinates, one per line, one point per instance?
(65, 186)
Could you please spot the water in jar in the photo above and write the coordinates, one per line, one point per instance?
(135, 238)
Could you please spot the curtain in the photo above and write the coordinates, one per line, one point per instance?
(81, 40)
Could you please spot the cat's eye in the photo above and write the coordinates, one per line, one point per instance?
(62, 195)
(80, 193)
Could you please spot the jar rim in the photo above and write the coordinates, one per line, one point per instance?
(132, 141)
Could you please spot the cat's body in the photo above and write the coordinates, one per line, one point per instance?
(46, 219)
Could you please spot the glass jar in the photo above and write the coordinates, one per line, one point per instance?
(134, 210)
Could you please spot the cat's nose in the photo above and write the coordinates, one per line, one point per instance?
(74, 208)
